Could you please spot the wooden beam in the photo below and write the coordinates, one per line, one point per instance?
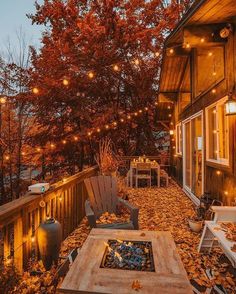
(167, 96)
(203, 35)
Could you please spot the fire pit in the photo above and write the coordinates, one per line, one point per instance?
(127, 262)
(128, 255)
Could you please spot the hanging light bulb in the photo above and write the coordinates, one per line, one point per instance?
(210, 53)
(22, 153)
(202, 40)
(136, 61)
(157, 54)
(129, 116)
(146, 108)
(7, 157)
(121, 120)
(91, 75)
(38, 149)
(52, 146)
(35, 90)
(115, 123)
(98, 130)
(76, 138)
(89, 134)
(65, 82)
(136, 114)
(107, 127)
(32, 239)
(3, 100)
(64, 142)
(116, 67)
(171, 51)
(213, 91)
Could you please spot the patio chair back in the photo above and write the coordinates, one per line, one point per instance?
(102, 192)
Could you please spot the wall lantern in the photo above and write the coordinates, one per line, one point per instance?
(230, 104)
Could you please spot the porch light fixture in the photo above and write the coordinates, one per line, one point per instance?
(171, 132)
(230, 104)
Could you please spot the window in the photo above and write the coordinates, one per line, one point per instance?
(210, 68)
(217, 133)
(179, 139)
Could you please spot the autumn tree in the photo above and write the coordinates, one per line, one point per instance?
(99, 60)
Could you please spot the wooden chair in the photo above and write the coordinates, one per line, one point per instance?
(164, 174)
(143, 172)
(102, 192)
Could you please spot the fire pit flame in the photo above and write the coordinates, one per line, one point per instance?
(135, 255)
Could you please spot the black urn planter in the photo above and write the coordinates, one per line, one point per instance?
(49, 242)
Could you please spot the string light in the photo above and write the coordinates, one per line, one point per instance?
(64, 142)
(188, 45)
(23, 153)
(157, 54)
(32, 238)
(213, 91)
(156, 103)
(171, 51)
(107, 127)
(115, 123)
(129, 116)
(89, 133)
(3, 100)
(60, 198)
(64, 180)
(146, 108)
(122, 120)
(98, 130)
(7, 157)
(226, 192)
(202, 40)
(38, 149)
(210, 53)
(116, 67)
(140, 111)
(218, 172)
(169, 115)
(52, 146)
(214, 73)
(136, 61)
(65, 82)
(35, 90)
(168, 106)
(91, 75)
(136, 114)
(76, 138)
(171, 132)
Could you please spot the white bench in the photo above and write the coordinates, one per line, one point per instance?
(213, 235)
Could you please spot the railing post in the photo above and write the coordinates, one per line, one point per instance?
(18, 244)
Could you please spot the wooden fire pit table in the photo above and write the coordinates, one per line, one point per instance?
(87, 274)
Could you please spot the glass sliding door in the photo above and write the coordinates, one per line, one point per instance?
(193, 156)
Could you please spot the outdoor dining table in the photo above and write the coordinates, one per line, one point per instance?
(88, 275)
(154, 167)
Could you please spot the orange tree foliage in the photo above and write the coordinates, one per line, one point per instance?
(81, 37)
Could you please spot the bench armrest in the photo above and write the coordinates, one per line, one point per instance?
(90, 214)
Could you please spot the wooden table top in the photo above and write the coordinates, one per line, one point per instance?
(86, 276)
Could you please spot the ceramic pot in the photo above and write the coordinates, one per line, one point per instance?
(49, 242)
(195, 226)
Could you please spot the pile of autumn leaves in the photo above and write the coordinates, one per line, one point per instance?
(163, 209)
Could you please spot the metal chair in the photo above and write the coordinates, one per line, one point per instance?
(143, 172)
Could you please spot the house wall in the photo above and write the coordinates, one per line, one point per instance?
(220, 181)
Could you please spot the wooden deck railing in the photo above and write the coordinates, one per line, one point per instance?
(20, 218)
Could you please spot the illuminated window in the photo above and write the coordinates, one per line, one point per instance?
(217, 139)
(179, 139)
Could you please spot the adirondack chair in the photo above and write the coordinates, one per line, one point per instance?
(102, 192)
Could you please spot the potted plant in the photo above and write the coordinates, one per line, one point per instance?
(196, 221)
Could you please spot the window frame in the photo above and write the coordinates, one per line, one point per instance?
(219, 160)
(179, 139)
